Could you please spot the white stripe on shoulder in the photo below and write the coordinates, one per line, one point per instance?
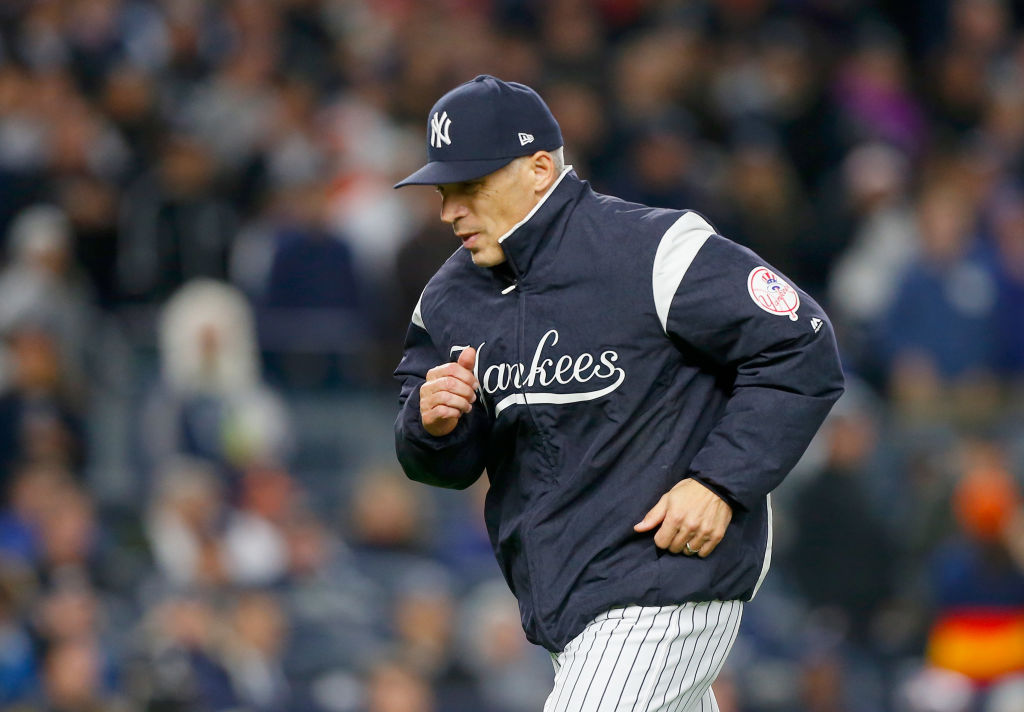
(417, 315)
(679, 245)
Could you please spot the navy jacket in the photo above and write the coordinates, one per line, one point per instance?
(620, 349)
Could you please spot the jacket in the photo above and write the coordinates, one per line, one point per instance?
(620, 349)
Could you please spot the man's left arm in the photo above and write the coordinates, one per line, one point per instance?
(779, 347)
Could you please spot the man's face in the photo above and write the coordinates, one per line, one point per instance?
(482, 210)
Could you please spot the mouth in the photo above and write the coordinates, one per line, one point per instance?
(468, 238)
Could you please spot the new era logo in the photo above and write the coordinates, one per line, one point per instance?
(439, 126)
(525, 138)
(816, 324)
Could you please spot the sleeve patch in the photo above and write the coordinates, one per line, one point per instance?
(770, 292)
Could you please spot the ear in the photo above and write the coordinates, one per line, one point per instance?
(542, 168)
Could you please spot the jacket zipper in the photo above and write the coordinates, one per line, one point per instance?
(546, 457)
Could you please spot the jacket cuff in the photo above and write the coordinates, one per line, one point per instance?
(416, 434)
(734, 503)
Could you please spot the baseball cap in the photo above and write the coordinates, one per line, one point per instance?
(482, 125)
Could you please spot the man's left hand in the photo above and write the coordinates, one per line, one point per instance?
(693, 519)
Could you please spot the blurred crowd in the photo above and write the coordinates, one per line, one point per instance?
(199, 237)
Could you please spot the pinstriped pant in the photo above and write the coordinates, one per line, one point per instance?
(646, 659)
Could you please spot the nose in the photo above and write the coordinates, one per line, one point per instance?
(452, 209)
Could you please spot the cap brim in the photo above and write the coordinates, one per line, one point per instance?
(440, 172)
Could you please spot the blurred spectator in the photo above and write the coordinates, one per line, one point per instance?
(978, 583)
(94, 40)
(91, 205)
(27, 497)
(129, 97)
(512, 676)
(230, 112)
(176, 658)
(256, 531)
(44, 282)
(388, 526)
(1008, 234)
(881, 242)
(17, 656)
(651, 71)
(424, 619)
(70, 537)
(424, 614)
(183, 525)
(979, 591)
(822, 684)
(302, 275)
(335, 611)
(40, 415)
(308, 44)
(938, 332)
(211, 402)
(999, 127)
(70, 610)
(70, 614)
(572, 36)
(22, 141)
(959, 96)
(81, 140)
(393, 686)
(843, 555)
(976, 38)
(41, 283)
(873, 93)
(73, 680)
(661, 165)
(174, 225)
(295, 153)
(793, 79)
(254, 650)
(388, 514)
(361, 206)
(199, 539)
(980, 26)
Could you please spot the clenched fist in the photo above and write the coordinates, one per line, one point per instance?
(448, 393)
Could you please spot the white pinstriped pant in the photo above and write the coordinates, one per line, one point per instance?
(646, 659)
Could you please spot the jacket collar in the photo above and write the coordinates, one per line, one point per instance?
(527, 237)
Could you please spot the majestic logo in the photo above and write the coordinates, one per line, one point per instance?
(546, 371)
(525, 138)
(816, 324)
(439, 126)
(770, 292)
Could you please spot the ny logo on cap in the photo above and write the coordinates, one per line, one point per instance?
(439, 126)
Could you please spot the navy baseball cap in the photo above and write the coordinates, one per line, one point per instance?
(482, 125)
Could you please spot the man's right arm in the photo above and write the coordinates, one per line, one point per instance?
(455, 454)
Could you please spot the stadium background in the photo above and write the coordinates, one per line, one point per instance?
(206, 278)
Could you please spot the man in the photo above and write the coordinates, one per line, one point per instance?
(634, 385)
